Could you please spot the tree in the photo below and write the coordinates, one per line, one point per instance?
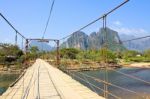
(89, 54)
(130, 53)
(147, 53)
(33, 54)
(10, 50)
(9, 53)
(34, 49)
(107, 56)
(70, 53)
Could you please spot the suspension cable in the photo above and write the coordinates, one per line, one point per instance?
(12, 26)
(99, 80)
(106, 14)
(94, 85)
(28, 87)
(133, 77)
(89, 84)
(136, 38)
(13, 88)
(50, 13)
(125, 41)
(129, 40)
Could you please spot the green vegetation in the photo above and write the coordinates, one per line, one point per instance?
(33, 53)
(134, 56)
(147, 53)
(102, 55)
(10, 55)
(13, 56)
(70, 53)
(105, 55)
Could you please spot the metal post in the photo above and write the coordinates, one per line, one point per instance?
(22, 44)
(42, 51)
(26, 46)
(16, 38)
(58, 55)
(106, 66)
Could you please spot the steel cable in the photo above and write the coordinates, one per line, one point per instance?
(95, 86)
(50, 13)
(99, 80)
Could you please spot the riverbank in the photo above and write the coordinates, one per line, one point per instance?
(75, 65)
(11, 71)
(136, 65)
(15, 68)
(84, 67)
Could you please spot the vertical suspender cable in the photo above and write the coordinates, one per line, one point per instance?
(105, 56)
(22, 44)
(16, 38)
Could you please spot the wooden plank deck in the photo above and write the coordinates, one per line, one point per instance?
(43, 81)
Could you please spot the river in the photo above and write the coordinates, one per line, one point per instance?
(6, 80)
(140, 90)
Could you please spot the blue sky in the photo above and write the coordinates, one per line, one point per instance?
(30, 16)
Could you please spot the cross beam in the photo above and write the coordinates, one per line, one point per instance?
(47, 41)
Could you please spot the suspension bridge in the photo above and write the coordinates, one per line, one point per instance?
(44, 81)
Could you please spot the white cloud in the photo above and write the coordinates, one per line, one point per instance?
(6, 40)
(118, 26)
(131, 31)
(117, 23)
